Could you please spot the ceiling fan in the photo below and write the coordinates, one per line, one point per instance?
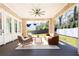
(37, 12)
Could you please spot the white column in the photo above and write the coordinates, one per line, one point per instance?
(78, 34)
(78, 31)
(24, 28)
(51, 26)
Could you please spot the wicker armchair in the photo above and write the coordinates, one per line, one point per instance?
(23, 41)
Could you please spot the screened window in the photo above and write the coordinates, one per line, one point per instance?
(9, 25)
(0, 21)
(19, 26)
(0, 24)
(16, 26)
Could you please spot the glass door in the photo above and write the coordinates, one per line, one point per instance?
(1, 30)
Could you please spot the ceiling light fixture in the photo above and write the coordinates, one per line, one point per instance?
(37, 12)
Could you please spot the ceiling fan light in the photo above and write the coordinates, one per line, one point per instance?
(37, 12)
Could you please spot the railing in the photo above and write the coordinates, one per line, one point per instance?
(73, 32)
(39, 31)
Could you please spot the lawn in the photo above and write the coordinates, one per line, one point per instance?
(69, 40)
(40, 35)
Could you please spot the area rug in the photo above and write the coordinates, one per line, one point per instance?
(38, 47)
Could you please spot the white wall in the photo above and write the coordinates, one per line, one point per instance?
(73, 32)
(78, 33)
(7, 36)
(1, 36)
(10, 36)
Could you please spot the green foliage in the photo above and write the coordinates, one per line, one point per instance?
(64, 25)
(43, 26)
(72, 20)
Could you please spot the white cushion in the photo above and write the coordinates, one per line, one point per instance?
(52, 34)
(47, 36)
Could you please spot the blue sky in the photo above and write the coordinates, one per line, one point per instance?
(33, 27)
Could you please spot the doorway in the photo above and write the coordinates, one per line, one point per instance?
(1, 30)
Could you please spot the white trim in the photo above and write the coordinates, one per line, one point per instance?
(78, 31)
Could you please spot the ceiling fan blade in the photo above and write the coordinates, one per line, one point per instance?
(43, 11)
(33, 10)
(39, 9)
(37, 12)
(39, 15)
(32, 14)
(42, 14)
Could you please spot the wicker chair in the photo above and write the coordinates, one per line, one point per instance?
(24, 42)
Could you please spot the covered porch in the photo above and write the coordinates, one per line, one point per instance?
(33, 12)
